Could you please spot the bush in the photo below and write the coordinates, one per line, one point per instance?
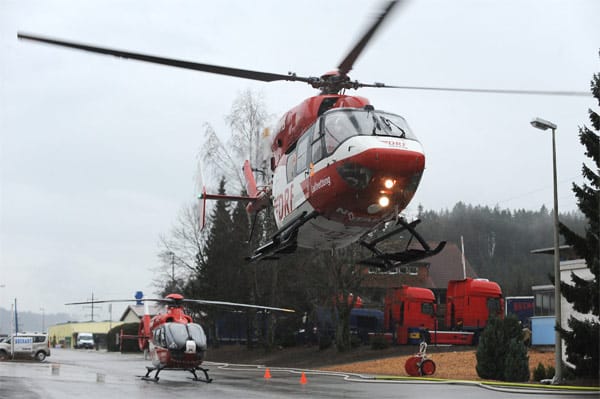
(550, 371)
(539, 373)
(490, 351)
(516, 363)
(379, 342)
(501, 354)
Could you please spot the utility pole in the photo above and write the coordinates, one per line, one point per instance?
(92, 307)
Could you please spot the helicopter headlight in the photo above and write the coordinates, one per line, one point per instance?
(384, 201)
(355, 175)
(388, 183)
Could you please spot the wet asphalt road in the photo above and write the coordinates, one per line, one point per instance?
(91, 374)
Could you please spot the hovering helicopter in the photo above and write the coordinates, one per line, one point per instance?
(340, 168)
(172, 339)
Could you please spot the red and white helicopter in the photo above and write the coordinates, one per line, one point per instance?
(341, 168)
(172, 339)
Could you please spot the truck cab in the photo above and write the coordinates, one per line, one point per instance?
(409, 310)
(471, 302)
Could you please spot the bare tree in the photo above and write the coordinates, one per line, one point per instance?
(247, 120)
(181, 255)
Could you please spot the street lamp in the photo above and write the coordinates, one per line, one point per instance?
(543, 124)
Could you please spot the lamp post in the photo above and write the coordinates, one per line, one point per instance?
(543, 124)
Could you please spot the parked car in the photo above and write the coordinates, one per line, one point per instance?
(25, 345)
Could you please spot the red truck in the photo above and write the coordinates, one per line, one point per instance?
(407, 311)
(410, 312)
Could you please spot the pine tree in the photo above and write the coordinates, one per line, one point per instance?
(582, 341)
(490, 351)
(501, 349)
(212, 282)
(516, 363)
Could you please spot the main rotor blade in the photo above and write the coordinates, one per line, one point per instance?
(493, 91)
(217, 69)
(234, 304)
(121, 300)
(346, 65)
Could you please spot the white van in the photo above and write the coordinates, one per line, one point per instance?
(26, 345)
(84, 340)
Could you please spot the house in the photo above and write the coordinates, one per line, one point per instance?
(134, 313)
(544, 319)
(433, 272)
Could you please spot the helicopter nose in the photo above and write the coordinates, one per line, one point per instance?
(389, 164)
(399, 163)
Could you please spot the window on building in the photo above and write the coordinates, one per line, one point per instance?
(544, 303)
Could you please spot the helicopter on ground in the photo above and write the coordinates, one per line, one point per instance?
(172, 339)
(340, 169)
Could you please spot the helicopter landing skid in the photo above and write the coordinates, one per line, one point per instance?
(389, 260)
(206, 378)
(284, 240)
(149, 369)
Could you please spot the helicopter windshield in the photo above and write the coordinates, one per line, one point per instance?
(342, 124)
(178, 333)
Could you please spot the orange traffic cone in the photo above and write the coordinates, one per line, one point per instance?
(303, 379)
(267, 374)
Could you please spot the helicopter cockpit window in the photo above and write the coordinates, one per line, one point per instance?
(342, 124)
(159, 337)
(197, 334)
(178, 333)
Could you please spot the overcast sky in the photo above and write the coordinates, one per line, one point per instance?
(98, 154)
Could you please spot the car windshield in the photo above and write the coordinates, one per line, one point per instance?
(341, 124)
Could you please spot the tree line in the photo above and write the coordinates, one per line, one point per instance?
(498, 242)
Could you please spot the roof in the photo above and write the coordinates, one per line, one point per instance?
(138, 311)
(447, 265)
(566, 252)
(434, 271)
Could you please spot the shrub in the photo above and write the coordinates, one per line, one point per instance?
(516, 363)
(490, 351)
(550, 371)
(539, 373)
(496, 346)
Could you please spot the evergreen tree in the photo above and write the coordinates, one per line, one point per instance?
(582, 341)
(516, 363)
(501, 354)
(490, 351)
(213, 282)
